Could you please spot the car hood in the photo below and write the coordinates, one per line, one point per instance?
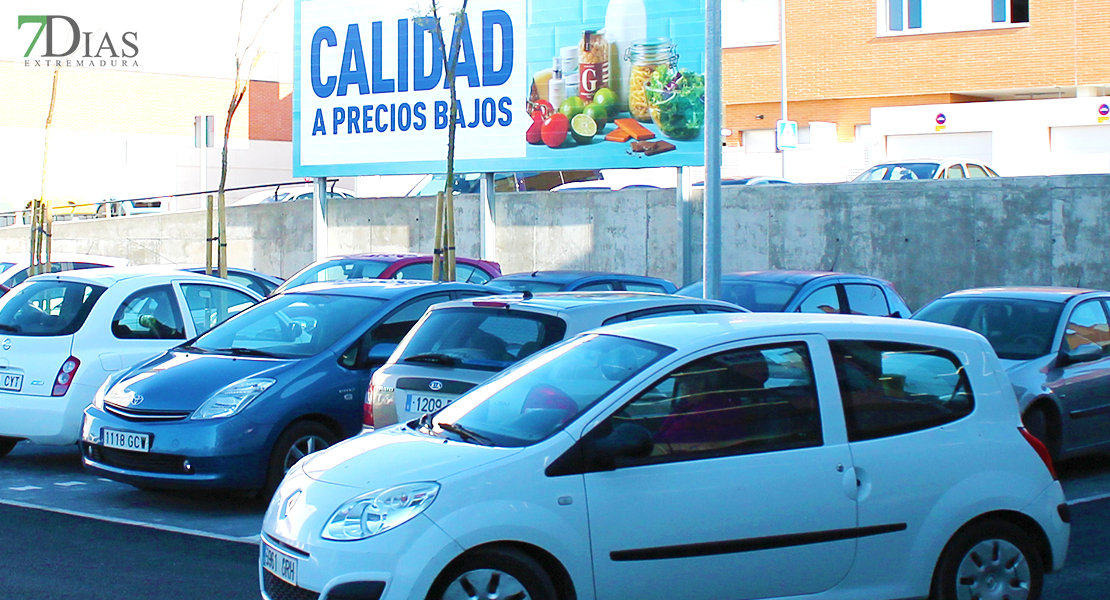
(1029, 376)
(397, 455)
(182, 381)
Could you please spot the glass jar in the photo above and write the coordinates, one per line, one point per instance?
(645, 56)
(593, 64)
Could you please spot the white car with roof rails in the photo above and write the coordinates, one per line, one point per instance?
(458, 345)
(62, 334)
(14, 268)
(831, 457)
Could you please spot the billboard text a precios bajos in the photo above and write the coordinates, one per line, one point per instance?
(371, 96)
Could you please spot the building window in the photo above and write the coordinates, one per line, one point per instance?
(749, 23)
(905, 17)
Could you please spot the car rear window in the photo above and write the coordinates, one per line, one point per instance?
(525, 285)
(756, 296)
(339, 270)
(487, 339)
(48, 308)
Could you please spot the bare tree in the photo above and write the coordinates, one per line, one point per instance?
(242, 84)
(445, 205)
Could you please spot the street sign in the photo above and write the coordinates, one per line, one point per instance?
(786, 134)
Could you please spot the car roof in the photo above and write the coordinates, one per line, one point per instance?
(382, 289)
(25, 258)
(786, 276)
(392, 257)
(570, 276)
(616, 302)
(702, 331)
(109, 276)
(1045, 293)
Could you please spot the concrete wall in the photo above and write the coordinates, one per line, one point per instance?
(927, 237)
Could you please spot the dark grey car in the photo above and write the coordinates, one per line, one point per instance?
(1055, 345)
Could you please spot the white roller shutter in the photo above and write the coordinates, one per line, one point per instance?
(1081, 149)
(976, 146)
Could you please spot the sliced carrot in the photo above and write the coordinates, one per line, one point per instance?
(618, 135)
(634, 129)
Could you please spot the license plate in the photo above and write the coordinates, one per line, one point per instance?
(11, 382)
(283, 566)
(423, 403)
(125, 440)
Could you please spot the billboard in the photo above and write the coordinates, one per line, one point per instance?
(542, 86)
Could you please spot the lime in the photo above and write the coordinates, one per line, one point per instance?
(598, 113)
(583, 128)
(572, 107)
(607, 98)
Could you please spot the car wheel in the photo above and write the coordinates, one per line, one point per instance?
(6, 445)
(295, 443)
(990, 560)
(494, 574)
(1042, 425)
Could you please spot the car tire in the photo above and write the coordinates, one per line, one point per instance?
(296, 442)
(1042, 425)
(6, 445)
(494, 574)
(989, 559)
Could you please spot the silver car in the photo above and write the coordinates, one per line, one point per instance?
(457, 345)
(1055, 345)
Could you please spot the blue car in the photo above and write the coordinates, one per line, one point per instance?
(580, 281)
(235, 408)
(809, 292)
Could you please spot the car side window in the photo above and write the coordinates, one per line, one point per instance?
(247, 282)
(210, 305)
(744, 401)
(974, 170)
(1087, 325)
(865, 299)
(891, 388)
(421, 271)
(954, 172)
(149, 314)
(390, 331)
(636, 286)
(600, 286)
(470, 274)
(649, 313)
(825, 300)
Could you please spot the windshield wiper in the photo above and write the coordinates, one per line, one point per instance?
(247, 352)
(192, 348)
(433, 357)
(11, 328)
(466, 434)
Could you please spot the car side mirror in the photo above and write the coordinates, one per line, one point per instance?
(622, 441)
(1084, 353)
(377, 355)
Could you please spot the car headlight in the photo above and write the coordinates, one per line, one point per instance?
(232, 398)
(380, 510)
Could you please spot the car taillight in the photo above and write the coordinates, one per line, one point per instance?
(1042, 450)
(65, 376)
(368, 408)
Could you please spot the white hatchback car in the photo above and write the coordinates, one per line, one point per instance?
(693, 457)
(62, 334)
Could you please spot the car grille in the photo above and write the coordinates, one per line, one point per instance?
(146, 415)
(150, 462)
(277, 589)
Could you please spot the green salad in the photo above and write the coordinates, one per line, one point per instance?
(676, 100)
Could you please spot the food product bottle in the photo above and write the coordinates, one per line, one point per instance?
(556, 87)
(645, 56)
(625, 22)
(593, 64)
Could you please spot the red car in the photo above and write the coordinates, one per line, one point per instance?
(388, 266)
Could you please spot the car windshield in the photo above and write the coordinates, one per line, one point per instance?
(339, 269)
(288, 326)
(487, 339)
(892, 172)
(48, 308)
(1016, 329)
(756, 296)
(529, 403)
(525, 285)
(4, 266)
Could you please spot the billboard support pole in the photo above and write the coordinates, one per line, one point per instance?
(711, 258)
(486, 226)
(684, 227)
(319, 218)
(782, 70)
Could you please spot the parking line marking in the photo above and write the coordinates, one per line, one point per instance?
(69, 483)
(25, 488)
(252, 539)
(1088, 499)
